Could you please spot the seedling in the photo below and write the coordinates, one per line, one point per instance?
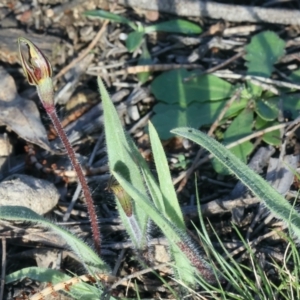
(135, 38)
(38, 71)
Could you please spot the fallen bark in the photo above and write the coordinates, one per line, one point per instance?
(229, 12)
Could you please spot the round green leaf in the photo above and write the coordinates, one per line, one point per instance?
(170, 87)
(263, 52)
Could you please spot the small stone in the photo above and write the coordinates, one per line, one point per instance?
(39, 195)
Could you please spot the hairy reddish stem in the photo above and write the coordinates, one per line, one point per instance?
(81, 178)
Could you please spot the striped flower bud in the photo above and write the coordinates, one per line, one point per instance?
(36, 66)
(38, 71)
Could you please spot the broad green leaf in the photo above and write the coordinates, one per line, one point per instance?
(172, 209)
(89, 258)
(81, 290)
(170, 116)
(289, 102)
(240, 127)
(134, 40)
(178, 26)
(109, 16)
(119, 150)
(266, 110)
(145, 59)
(277, 204)
(195, 115)
(169, 87)
(263, 52)
(271, 138)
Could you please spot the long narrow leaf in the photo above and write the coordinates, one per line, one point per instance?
(119, 151)
(102, 14)
(171, 205)
(277, 204)
(88, 257)
(80, 290)
(191, 261)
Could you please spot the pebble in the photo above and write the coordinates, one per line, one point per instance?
(39, 195)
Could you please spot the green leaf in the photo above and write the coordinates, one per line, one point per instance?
(127, 165)
(87, 256)
(120, 157)
(109, 16)
(241, 151)
(277, 204)
(179, 241)
(263, 52)
(295, 76)
(172, 209)
(170, 116)
(177, 26)
(289, 102)
(169, 87)
(145, 59)
(266, 110)
(271, 138)
(195, 115)
(240, 127)
(134, 40)
(81, 290)
(254, 90)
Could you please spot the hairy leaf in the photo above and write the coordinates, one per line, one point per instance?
(277, 204)
(240, 127)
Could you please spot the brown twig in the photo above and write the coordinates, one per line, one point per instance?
(159, 67)
(222, 65)
(215, 10)
(258, 79)
(84, 53)
(69, 175)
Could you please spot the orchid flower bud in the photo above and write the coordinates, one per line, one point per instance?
(38, 71)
